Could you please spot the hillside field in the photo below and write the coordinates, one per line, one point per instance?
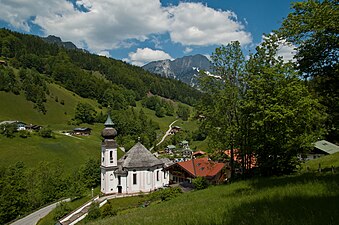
(305, 198)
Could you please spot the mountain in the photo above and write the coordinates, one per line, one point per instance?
(184, 69)
(57, 40)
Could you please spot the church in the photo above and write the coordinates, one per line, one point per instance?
(137, 171)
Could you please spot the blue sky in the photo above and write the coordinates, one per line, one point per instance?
(140, 31)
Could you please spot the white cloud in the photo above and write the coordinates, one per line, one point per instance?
(146, 55)
(287, 51)
(197, 24)
(107, 24)
(188, 50)
(104, 53)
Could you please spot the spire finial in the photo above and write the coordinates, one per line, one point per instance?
(138, 139)
(109, 122)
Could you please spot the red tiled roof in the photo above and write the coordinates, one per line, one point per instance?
(203, 167)
(199, 153)
(237, 157)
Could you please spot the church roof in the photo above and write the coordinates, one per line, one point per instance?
(139, 157)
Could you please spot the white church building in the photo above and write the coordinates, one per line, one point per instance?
(137, 171)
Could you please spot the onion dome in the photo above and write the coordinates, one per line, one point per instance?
(109, 132)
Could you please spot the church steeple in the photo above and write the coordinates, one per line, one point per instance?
(109, 132)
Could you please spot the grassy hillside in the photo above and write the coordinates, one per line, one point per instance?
(302, 199)
(16, 107)
(326, 163)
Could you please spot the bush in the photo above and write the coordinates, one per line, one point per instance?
(93, 212)
(61, 210)
(200, 183)
(45, 132)
(107, 210)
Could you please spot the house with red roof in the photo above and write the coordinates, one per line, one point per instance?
(202, 167)
(250, 159)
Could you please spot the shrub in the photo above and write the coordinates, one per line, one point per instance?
(45, 132)
(93, 212)
(200, 183)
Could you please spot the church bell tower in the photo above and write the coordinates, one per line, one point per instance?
(109, 156)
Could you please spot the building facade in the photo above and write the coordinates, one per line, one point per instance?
(137, 171)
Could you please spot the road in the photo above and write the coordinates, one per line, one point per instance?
(33, 218)
(166, 134)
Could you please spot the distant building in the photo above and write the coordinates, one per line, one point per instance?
(184, 144)
(250, 159)
(83, 131)
(19, 124)
(202, 167)
(169, 149)
(322, 148)
(198, 153)
(137, 171)
(175, 130)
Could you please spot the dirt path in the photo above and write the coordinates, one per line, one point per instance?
(166, 134)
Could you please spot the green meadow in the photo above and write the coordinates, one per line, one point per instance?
(305, 198)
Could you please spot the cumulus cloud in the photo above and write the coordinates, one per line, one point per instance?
(145, 55)
(287, 51)
(188, 50)
(197, 24)
(102, 25)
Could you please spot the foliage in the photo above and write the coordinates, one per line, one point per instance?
(25, 189)
(46, 132)
(161, 107)
(8, 130)
(61, 210)
(165, 194)
(91, 173)
(8, 82)
(85, 113)
(200, 183)
(313, 28)
(93, 212)
(183, 112)
(107, 210)
(283, 118)
(225, 90)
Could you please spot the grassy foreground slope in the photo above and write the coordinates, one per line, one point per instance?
(307, 198)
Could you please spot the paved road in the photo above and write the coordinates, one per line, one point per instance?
(33, 218)
(166, 134)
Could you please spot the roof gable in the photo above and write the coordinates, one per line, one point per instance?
(326, 146)
(202, 167)
(139, 157)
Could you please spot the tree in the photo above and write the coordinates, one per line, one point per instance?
(313, 28)
(85, 113)
(183, 112)
(221, 104)
(284, 119)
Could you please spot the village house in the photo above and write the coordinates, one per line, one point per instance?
(170, 149)
(19, 124)
(175, 130)
(137, 171)
(198, 153)
(184, 144)
(202, 167)
(321, 148)
(82, 131)
(250, 159)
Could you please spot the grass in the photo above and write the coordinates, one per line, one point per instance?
(67, 151)
(49, 219)
(326, 163)
(301, 199)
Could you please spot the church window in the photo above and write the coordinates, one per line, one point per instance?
(119, 180)
(164, 174)
(111, 156)
(158, 175)
(135, 178)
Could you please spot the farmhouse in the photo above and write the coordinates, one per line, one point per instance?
(175, 130)
(137, 171)
(202, 167)
(84, 131)
(322, 148)
(19, 124)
